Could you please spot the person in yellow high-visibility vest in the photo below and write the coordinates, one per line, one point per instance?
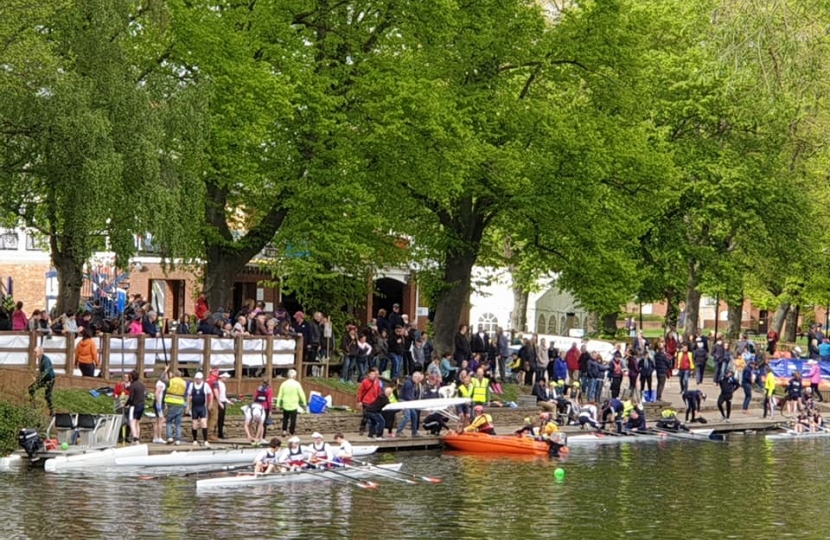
(481, 388)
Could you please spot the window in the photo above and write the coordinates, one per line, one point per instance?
(488, 322)
(9, 240)
(540, 325)
(36, 243)
(552, 325)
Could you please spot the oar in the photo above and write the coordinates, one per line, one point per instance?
(346, 479)
(429, 479)
(192, 473)
(684, 436)
(378, 472)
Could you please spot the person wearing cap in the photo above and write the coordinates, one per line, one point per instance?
(395, 318)
(320, 450)
(290, 398)
(547, 426)
(294, 457)
(254, 417)
(482, 423)
(266, 462)
(223, 401)
(693, 400)
(198, 399)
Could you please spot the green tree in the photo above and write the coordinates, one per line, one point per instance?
(88, 163)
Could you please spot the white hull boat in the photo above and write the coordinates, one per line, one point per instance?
(211, 457)
(591, 439)
(93, 458)
(295, 476)
(792, 436)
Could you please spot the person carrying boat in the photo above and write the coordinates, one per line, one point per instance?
(320, 450)
(343, 452)
(612, 410)
(294, 457)
(198, 397)
(693, 400)
(266, 461)
(45, 378)
(588, 416)
(174, 400)
(254, 416)
(482, 423)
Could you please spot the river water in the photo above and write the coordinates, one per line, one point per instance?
(745, 488)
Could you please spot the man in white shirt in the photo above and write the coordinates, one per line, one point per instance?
(267, 460)
(343, 452)
(223, 404)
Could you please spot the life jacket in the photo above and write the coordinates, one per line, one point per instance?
(198, 395)
(176, 390)
(627, 408)
(393, 398)
(669, 414)
(261, 396)
(465, 391)
(487, 425)
(480, 390)
(617, 367)
(686, 362)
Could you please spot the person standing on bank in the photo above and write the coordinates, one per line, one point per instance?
(174, 400)
(135, 405)
(728, 384)
(289, 398)
(198, 399)
(45, 378)
(223, 404)
(86, 354)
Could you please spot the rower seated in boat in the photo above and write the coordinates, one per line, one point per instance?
(267, 460)
(321, 451)
(294, 457)
(482, 423)
(343, 453)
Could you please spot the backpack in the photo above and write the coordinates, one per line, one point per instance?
(617, 367)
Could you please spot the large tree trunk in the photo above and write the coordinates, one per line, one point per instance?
(779, 317)
(70, 281)
(791, 328)
(734, 317)
(672, 308)
(609, 324)
(692, 301)
(220, 275)
(518, 319)
(451, 300)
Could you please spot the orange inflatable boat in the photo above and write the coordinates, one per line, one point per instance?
(495, 444)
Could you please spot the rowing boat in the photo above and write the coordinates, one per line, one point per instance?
(293, 476)
(593, 438)
(93, 458)
(792, 435)
(212, 457)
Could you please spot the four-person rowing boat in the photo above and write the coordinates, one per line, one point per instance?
(303, 475)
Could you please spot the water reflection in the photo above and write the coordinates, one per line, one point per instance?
(745, 488)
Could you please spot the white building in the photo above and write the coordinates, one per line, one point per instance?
(549, 309)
